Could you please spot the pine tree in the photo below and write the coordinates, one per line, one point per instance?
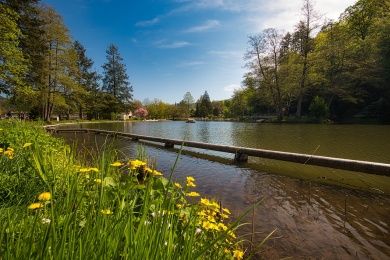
(115, 80)
(88, 80)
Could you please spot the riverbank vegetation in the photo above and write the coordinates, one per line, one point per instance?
(55, 204)
(337, 70)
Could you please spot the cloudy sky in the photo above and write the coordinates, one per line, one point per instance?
(174, 46)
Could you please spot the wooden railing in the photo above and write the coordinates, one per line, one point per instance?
(242, 153)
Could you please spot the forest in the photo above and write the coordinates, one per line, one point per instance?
(334, 70)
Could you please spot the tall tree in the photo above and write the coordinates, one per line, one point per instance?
(188, 100)
(204, 107)
(88, 79)
(304, 42)
(12, 62)
(59, 64)
(116, 80)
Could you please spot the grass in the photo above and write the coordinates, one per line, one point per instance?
(54, 204)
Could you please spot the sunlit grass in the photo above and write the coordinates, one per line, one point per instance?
(56, 205)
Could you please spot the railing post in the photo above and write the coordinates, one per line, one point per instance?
(240, 157)
(169, 145)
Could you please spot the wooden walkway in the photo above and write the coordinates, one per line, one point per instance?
(242, 153)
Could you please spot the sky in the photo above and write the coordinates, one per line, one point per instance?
(174, 46)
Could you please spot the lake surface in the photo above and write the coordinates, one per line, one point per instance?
(317, 212)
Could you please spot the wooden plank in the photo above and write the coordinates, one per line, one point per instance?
(324, 161)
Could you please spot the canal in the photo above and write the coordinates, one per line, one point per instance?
(317, 212)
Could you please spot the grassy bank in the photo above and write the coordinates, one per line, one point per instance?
(54, 204)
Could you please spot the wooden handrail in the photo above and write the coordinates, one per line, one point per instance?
(242, 153)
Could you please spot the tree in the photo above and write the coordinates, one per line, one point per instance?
(115, 79)
(88, 80)
(204, 107)
(59, 65)
(141, 112)
(303, 42)
(188, 99)
(13, 65)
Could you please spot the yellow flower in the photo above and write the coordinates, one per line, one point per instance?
(177, 185)
(227, 211)
(190, 184)
(208, 225)
(84, 170)
(231, 233)
(1, 150)
(27, 145)
(136, 164)
(116, 164)
(153, 172)
(36, 205)
(179, 206)
(98, 181)
(9, 153)
(193, 194)
(44, 196)
(190, 179)
(222, 226)
(106, 212)
(238, 254)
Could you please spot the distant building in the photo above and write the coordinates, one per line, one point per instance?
(126, 116)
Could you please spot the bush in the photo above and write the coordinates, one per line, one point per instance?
(318, 108)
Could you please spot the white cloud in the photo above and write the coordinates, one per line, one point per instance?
(190, 63)
(284, 15)
(148, 22)
(227, 54)
(209, 24)
(172, 45)
(231, 88)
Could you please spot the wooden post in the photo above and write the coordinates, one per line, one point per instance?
(169, 145)
(240, 157)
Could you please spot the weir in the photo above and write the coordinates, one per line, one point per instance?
(242, 153)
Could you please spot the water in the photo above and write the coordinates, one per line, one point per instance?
(314, 212)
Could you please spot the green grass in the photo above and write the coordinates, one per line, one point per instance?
(99, 210)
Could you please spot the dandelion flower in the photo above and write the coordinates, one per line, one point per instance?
(36, 205)
(98, 181)
(27, 145)
(193, 194)
(106, 212)
(238, 254)
(116, 164)
(45, 196)
(227, 211)
(9, 153)
(191, 179)
(177, 185)
(94, 169)
(136, 164)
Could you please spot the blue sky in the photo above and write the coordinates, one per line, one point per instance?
(174, 46)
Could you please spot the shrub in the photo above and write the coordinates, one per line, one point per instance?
(318, 108)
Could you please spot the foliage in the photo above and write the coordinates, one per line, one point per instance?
(13, 65)
(203, 106)
(115, 79)
(346, 63)
(141, 112)
(106, 208)
(318, 108)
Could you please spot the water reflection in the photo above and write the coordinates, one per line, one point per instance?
(312, 220)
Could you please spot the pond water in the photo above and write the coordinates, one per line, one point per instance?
(317, 212)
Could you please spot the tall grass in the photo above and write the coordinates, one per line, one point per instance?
(52, 205)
